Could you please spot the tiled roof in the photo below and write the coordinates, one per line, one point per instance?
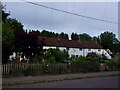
(68, 43)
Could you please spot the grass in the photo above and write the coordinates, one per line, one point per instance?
(60, 79)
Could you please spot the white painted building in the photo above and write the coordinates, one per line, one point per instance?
(75, 48)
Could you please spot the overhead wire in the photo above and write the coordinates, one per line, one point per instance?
(70, 12)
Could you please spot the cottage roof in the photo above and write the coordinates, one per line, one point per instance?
(68, 43)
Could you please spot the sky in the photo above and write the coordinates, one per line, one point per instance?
(40, 18)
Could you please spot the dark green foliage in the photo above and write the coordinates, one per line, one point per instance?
(93, 55)
(51, 60)
(74, 36)
(36, 59)
(113, 64)
(59, 55)
(64, 36)
(96, 39)
(4, 16)
(9, 27)
(103, 57)
(85, 37)
(108, 40)
(81, 37)
(50, 56)
(45, 33)
(84, 66)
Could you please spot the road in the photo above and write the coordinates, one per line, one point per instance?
(103, 82)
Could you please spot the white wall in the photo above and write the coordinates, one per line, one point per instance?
(79, 52)
(48, 47)
(84, 52)
(75, 51)
(62, 48)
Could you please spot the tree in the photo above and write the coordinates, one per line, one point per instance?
(108, 40)
(9, 27)
(74, 36)
(59, 55)
(96, 39)
(85, 37)
(64, 36)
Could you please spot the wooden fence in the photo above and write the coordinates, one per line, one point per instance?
(14, 69)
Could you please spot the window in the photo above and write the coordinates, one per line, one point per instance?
(89, 49)
(67, 48)
(80, 49)
(57, 47)
(72, 55)
(99, 50)
(76, 55)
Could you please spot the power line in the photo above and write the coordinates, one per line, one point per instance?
(70, 12)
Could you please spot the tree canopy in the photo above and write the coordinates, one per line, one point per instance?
(50, 34)
(85, 37)
(108, 40)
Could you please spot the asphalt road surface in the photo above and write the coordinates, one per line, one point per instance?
(103, 82)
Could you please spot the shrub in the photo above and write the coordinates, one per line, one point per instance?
(36, 59)
(103, 57)
(81, 58)
(51, 60)
(85, 66)
(59, 55)
(93, 55)
(113, 64)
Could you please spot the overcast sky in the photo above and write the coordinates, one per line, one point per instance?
(39, 18)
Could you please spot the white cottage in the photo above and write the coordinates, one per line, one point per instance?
(74, 48)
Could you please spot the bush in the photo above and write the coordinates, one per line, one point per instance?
(93, 55)
(103, 57)
(85, 66)
(51, 60)
(59, 55)
(113, 64)
(36, 59)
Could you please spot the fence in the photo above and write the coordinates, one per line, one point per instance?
(14, 69)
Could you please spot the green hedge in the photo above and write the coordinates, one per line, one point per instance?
(113, 64)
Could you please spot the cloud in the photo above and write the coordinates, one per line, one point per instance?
(35, 17)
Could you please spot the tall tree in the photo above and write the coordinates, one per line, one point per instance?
(64, 35)
(85, 37)
(74, 36)
(108, 40)
(9, 27)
